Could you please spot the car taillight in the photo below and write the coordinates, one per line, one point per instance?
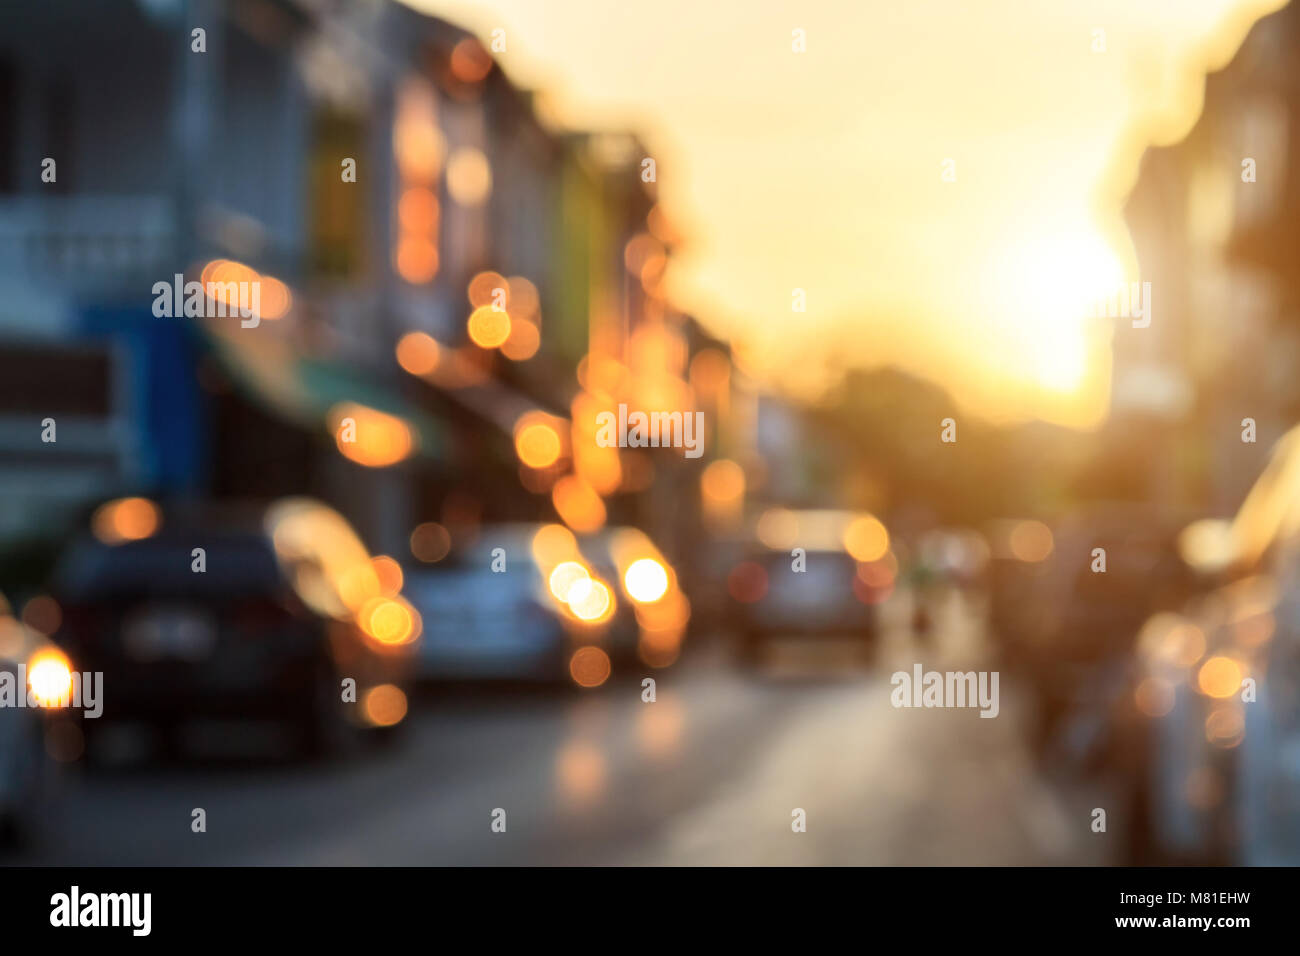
(747, 582)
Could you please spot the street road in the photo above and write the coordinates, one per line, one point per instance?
(707, 774)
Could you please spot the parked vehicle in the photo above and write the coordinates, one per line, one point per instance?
(28, 662)
(810, 574)
(236, 613)
(1072, 607)
(1213, 716)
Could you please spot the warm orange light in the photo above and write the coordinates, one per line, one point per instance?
(273, 297)
(384, 705)
(488, 327)
(589, 667)
(640, 250)
(1172, 639)
(646, 580)
(418, 353)
(389, 620)
(523, 342)
(778, 528)
(469, 176)
(216, 275)
(357, 584)
(590, 600)
(659, 648)
(276, 298)
(599, 466)
(389, 574)
(552, 544)
(1220, 677)
(666, 618)
(1031, 541)
(866, 539)
(879, 575)
(488, 288)
(126, 519)
(470, 63)
(525, 302)
(417, 259)
(578, 504)
(418, 143)
(370, 437)
(50, 675)
(417, 210)
(538, 445)
(710, 372)
(564, 577)
(723, 481)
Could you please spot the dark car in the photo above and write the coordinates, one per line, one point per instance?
(823, 591)
(1079, 622)
(235, 614)
(27, 771)
(1212, 726)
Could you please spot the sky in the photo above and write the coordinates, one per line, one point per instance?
(824, 170)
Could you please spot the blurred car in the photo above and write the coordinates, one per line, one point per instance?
(1212, 717)
(1069, 627)
(26, 769)
(810, 573)
(1017, 551)
(650, 622)
(560, 608)
(235, 613)
(484, 624)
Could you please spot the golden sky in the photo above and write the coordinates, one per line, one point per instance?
(822, 170)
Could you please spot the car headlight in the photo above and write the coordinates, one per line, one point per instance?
(49, 675)
(646, 580)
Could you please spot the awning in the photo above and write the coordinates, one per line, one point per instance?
(303, 389)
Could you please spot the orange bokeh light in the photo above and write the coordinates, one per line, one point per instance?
(723, 481)
(488, 327)
(417, 210)
(589, 667)
(370, 437)
(126, 519)
(470, 63)
(524, 341)
(417, 259)
(538, 444)
(578, 504)
(418, 353)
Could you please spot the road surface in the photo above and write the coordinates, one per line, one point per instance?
(711, 772)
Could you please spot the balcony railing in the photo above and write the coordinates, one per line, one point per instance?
(86, 241)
